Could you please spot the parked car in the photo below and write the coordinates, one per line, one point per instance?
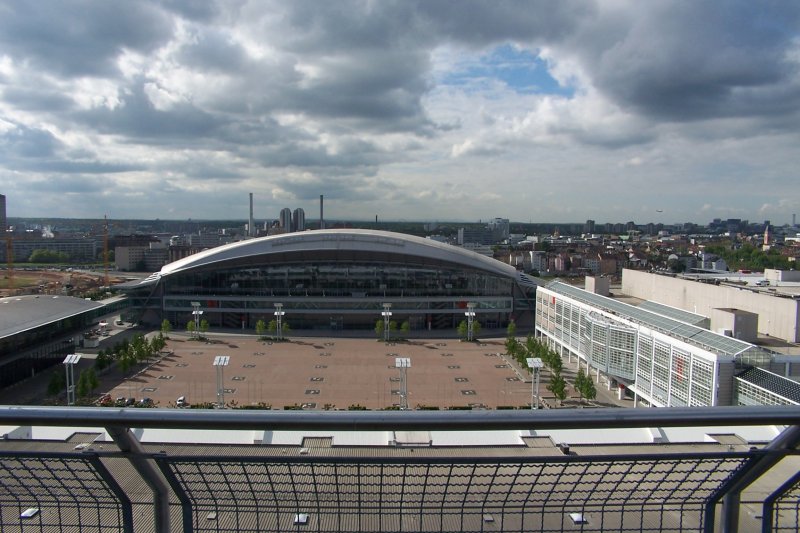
(146, 402)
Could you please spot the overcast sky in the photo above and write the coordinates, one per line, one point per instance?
(535, 111)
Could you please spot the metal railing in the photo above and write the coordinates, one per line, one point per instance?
(261, 488)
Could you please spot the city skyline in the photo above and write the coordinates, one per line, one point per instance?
(658, 112)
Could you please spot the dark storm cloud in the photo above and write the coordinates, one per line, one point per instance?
(23, 142)
(79, 38)
(686, 61)
(37, 150)
(354, 188)
(213, 50)
(37, 99)
(138, 119)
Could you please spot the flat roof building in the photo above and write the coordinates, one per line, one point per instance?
(661, 360)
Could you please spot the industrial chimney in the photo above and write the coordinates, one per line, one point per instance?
(321, 218)
(250, 227)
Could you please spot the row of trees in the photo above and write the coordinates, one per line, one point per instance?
(463, 329)
(264, 329)
(380, 327)
(126, 354)
(557, 385)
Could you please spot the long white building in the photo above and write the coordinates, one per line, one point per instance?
(663, 361)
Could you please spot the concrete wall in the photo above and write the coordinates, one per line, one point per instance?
(743, 325)
(777, 317)
(598, 285)
(773, 274)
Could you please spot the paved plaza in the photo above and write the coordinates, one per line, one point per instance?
(331, 372)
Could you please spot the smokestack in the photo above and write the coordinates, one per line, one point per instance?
(794, 219)
(321, 218)
(250, 227)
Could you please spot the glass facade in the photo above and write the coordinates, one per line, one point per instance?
(663, 371)
(339, 279)
(337, 293)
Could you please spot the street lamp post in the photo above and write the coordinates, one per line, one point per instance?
(197, 313)
(470, 314)
(535, 364)
(220, 362)
(279, 312)
(387, 315)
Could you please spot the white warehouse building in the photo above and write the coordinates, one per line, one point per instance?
(663, 361)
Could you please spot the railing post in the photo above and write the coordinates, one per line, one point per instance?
(130, 445)
(768, 514)
(757, 467)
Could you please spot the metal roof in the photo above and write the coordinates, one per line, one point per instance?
(23, 313)
(308, 245)
(774, 383)
(703, 338)
(674, 312)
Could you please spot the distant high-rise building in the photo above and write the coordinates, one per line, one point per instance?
(3, 220)
(589, 226)
(500, 228)
(299, 220)
(285, 219)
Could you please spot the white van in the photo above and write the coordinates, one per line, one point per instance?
(181, 401)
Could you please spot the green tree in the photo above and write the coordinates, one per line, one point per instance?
(392, 328)
(204, 326)
(83, 388)
(589, 390)
(261, 328)
(102, 361)
(272, 327)
(91, 379)
(57, 385)
(580, 382)
(405, 328)
(558, 386)
(166, 327)
(48, 256)
(511, 330)
(190, 327)
(476, 329)
(379, 326)
(462, 330)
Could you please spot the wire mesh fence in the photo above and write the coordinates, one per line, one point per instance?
(66, 492)
(642, 493)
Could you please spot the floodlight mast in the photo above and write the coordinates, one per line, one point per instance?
(470, 317)
(387, 315)
(220, 362)
(279, 312)
(403, 364)
(535, 364)
(196, 312)
(69, 366)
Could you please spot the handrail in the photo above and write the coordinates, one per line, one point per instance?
(233, 419)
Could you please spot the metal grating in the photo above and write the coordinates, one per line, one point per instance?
(673, 312)
(774, 383)
(642, 493)
(69, 492)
